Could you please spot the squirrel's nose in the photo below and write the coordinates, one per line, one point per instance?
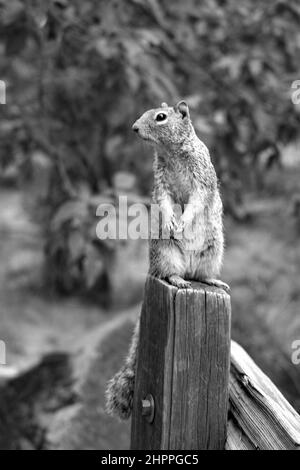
(135, 127)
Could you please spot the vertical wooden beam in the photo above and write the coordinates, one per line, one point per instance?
(183, 363)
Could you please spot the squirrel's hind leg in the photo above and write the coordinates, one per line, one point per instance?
(167, 261)
(207, 264)
(217, 283)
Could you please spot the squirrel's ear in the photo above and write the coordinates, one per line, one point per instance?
(183, 109)
(164, 105)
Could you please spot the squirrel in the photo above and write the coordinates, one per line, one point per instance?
(184, 180)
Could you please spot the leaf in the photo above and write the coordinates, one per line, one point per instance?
(76, 245)
(124, 181)
(231, 63)
(11, 11)
(71, 210)
(93, 266)
(15, 40)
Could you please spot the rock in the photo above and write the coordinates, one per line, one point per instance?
(24, 417)
(58, 402)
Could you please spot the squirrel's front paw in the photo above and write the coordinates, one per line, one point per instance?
(119, 394)
(170, 223)
(184, 223)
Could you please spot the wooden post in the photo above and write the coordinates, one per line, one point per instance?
(183, 363)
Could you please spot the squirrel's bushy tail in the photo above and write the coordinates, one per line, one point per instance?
(120, 389)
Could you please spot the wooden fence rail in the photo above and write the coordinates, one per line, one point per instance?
(185, 386)
(260, 417)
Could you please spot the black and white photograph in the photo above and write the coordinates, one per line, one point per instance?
(149, 227)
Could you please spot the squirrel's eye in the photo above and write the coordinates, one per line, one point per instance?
(161, 117)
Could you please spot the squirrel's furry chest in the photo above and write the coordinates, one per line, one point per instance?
(180, 186)
(177, 178)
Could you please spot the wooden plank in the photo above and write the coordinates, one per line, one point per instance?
(154, 366)
(258, 407)
(183, 361)
(236, 438)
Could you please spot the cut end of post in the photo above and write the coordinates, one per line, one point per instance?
(195, 286)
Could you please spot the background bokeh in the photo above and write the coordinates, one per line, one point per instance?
(78, 74)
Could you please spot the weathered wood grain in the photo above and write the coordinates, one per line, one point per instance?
(154, 366)
(236, 438)
(183, 361)
(262, 417)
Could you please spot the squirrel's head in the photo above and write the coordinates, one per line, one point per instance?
(165, 125)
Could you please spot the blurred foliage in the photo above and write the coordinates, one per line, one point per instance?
(79, 73)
